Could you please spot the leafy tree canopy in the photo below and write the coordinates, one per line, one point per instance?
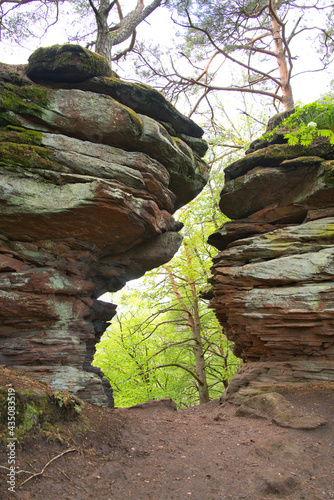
(164, 341)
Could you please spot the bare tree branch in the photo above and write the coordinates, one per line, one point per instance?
(128, 24)
(191, 372)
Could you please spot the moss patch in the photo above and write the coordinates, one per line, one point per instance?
(329, 175)
(275, 155)
(20, 135)
(17, 156)
(27, 159)
(36, 409)
(28, 100)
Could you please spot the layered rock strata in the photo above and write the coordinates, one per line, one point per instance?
(88, 186)
(273, 280)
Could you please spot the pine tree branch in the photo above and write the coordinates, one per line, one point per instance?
(225, 53)
(124, 29)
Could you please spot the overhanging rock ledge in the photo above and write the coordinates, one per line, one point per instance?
(91, 172)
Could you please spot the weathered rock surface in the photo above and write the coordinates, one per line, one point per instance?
(280, 411)
(273, 281)
(66, 63)
(87, 192)
(71, 66)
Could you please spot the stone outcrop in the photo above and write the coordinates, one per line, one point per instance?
(273, 280)
(89, 181)
(66, 63)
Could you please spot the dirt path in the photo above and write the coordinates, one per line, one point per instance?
(203, 453)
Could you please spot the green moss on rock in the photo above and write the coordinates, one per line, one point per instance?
(18, 156)
(25, 101)
(20, 135)
(17, 79)
(32, 410)
(275, 155)
(329, 175)
(35, 409)
(66, 63)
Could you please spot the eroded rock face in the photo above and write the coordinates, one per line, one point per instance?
(87, 191)
(273, 280)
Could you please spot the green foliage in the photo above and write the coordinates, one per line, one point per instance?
(145, 353)
(136, 344)
(20, 135)
(309, 122)
(149, 349)
(65, 400)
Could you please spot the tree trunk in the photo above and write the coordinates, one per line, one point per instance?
(103, 44)
(103, 41)
(195, 326)
(203, 390)
(108, 37)
(281, 57)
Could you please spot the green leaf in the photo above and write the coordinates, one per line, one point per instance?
(293, 140)
(324, 133)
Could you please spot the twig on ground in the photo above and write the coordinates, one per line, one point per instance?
(46, 465)
(17, 471)
(64, 474)
(70, 480)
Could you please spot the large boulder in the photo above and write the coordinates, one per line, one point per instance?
(101, 119)
(66, 63)
(286, 190)
(71, 66)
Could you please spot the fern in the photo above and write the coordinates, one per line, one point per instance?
(308, 122)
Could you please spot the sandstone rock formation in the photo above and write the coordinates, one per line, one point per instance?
(273, 280)
(89, 180)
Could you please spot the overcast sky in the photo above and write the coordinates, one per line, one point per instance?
(307, 87)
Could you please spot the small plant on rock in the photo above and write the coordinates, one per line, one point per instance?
(67, 400)
(308, 122)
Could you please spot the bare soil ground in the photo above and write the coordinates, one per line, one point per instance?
(154, 452)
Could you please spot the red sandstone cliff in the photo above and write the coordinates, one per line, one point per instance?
(89, 180)
(273, 280)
